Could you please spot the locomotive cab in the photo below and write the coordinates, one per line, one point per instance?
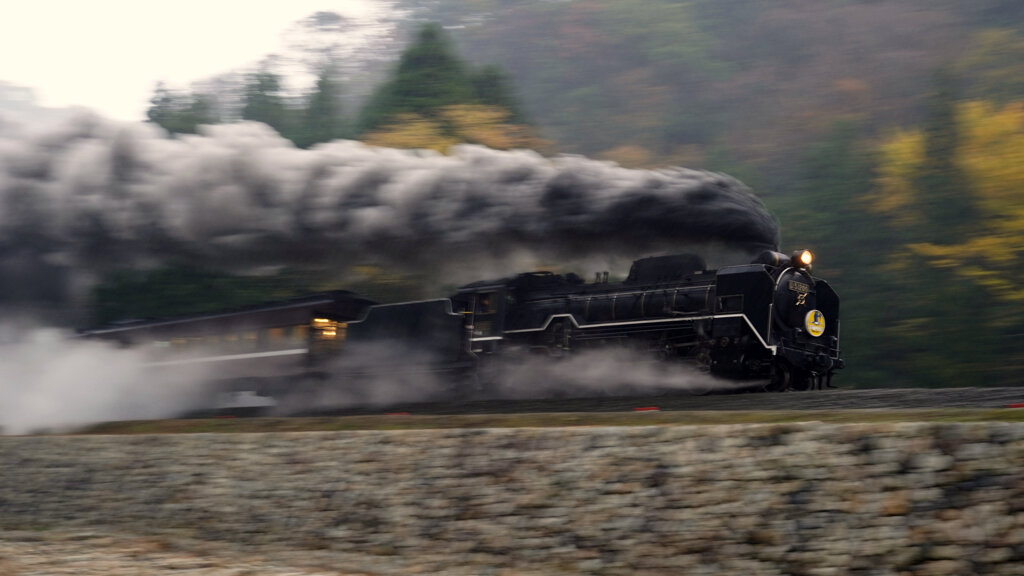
(484, 306)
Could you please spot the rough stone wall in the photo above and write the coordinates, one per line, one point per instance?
(810, 498)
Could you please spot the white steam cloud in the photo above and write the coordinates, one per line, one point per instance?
(611, 371)
(51, 382)
(387, 374)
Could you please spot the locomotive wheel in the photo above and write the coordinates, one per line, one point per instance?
(782, 378)
(556, 338)
(485, 377)
(787, 378)
(801, 381)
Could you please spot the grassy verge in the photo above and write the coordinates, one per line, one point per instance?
(680, 418)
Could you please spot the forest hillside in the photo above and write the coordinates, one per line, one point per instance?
(885, 135)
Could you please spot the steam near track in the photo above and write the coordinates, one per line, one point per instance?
(611, 372)
(51, 382)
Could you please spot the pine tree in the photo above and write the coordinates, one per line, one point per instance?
(322, 119)
(429, 77)
(264, 102)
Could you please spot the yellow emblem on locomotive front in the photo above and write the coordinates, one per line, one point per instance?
(815, 323)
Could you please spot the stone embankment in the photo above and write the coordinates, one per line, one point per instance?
(813, 498)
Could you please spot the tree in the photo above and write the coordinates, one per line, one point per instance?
(946, 198)
(180, 113)
(322, 119)
(202, 109)
(472, 123)
(992, 158)
(163, 106)
(412, 131)
(491, 88)
(962, 301)
(263, 101)
(434, 101)
(429, 78)
(993, 66)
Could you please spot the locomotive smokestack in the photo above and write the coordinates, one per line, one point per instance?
(90, 195)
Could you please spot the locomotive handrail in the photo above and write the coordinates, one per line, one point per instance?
(771, 347)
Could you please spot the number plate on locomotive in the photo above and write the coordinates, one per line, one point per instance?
(799, 287)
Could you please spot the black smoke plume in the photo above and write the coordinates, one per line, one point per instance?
(88, 195)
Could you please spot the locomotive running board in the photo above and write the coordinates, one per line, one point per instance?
(772, 349)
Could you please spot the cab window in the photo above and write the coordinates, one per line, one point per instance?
(486, 304)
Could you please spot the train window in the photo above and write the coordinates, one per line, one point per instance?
(731, 303)
(325, 329)
(325, 335)
(485, 303)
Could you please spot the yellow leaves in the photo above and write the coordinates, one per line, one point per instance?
(1004, 287)
(902, 161)
(990, 153)
(940, 256)
(411, 131)
(472, 123)
(487, 125)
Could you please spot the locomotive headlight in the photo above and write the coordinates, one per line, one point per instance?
(803, 258)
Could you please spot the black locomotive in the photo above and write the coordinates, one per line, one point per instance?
(770, 322)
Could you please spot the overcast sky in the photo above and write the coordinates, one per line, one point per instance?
(109, 54)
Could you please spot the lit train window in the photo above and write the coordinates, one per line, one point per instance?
(326, 329)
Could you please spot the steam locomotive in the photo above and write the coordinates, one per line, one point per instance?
(770, 322)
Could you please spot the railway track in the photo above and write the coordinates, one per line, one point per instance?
(834, 399)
